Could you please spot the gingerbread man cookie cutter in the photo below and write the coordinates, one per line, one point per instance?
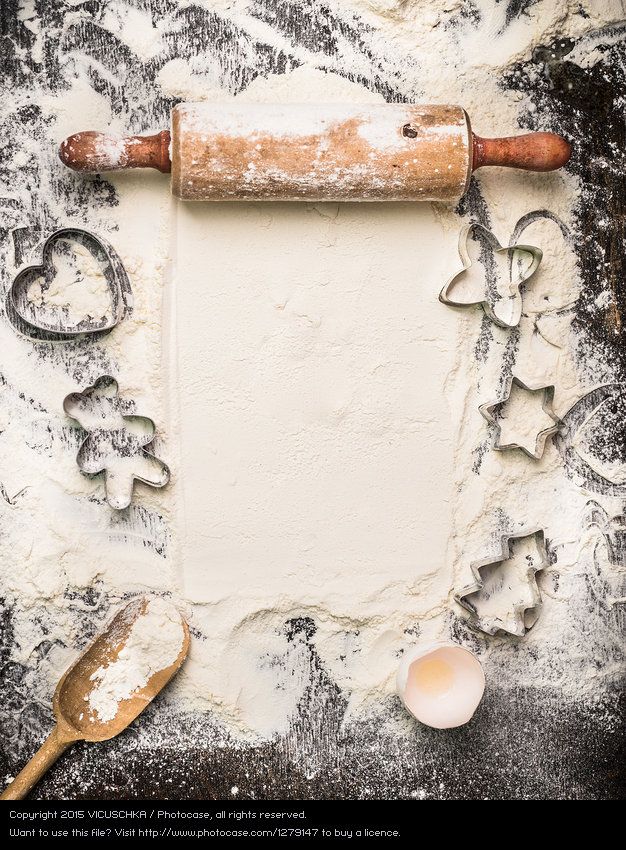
(117, 443)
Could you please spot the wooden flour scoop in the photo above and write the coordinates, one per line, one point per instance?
(315, 152)
(75, 721)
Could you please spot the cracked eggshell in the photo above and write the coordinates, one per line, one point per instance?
(441, 684)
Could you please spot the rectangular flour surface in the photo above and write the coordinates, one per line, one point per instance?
(308, 358)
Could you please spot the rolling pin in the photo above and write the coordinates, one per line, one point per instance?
(315, 152)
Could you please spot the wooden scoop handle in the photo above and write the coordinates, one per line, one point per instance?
(44, 758)
(92, 152)
(532, 152)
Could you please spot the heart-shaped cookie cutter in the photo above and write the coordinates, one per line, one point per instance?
(23, 313)
(513, 254)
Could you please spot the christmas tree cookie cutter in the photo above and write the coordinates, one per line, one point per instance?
(30, 318)
(490, 411)
(522, 261)
(501, 600)
(117, 443)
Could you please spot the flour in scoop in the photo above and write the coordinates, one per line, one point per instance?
(153, 644)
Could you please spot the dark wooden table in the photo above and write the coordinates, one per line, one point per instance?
(524, 743)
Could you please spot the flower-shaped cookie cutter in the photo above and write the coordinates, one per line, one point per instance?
(490, 411)
(27, 317)
(116, 443)
(524, 605)
(523, 262)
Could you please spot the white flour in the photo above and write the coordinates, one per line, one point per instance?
(154, 643)
(79, 285)
(317, 404)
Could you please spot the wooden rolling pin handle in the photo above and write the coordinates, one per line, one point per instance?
(52, 748)
(532, 152)
(92, 152)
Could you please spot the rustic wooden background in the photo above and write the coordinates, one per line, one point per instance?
(535, 746)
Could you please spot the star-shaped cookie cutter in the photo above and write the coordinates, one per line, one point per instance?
(524, 614)
(490, 412)
(514, 254)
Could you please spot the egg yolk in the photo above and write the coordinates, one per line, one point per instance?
(433, 676)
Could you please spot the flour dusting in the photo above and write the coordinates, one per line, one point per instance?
(335, 478)
(154, 643)
(77, 284)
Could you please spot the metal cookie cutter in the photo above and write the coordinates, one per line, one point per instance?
(117, 442)
(523, 262)
(590, 441)
(30, 319)
(519, 610)
(490, 412)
